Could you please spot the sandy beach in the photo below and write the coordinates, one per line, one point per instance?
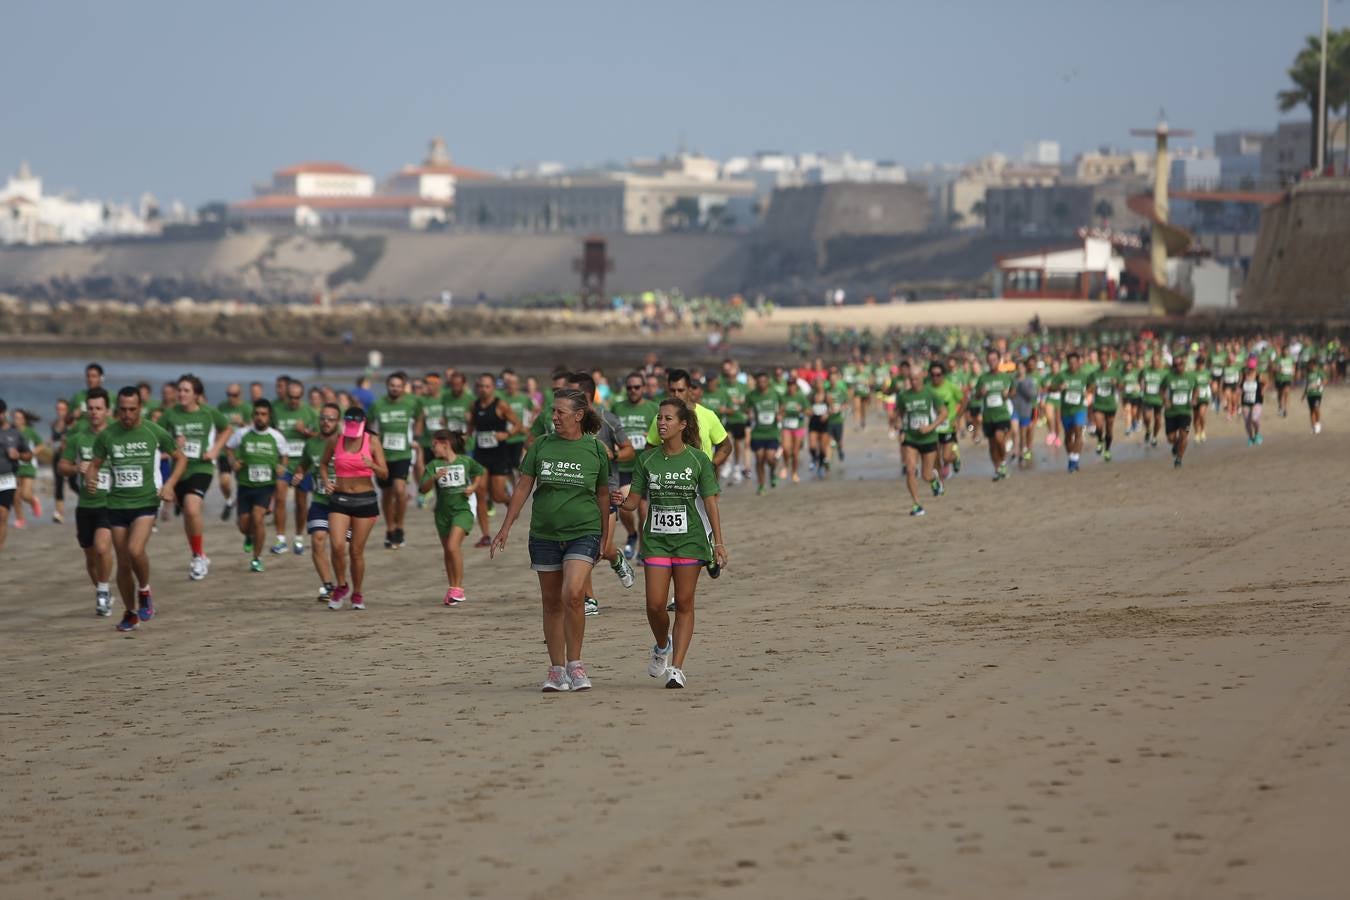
(1128, 683)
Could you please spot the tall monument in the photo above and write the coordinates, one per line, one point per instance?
(1165, 239)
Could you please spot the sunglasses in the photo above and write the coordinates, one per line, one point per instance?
(328, 418)
(231, 393)
(635, 387)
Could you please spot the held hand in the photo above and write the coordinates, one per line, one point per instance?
(209, 455)
(82, 466)
(498, 544)
(237, 465)
(720, 556)
(296, 479)
(330, 486)
(367, 460)
(91, 486)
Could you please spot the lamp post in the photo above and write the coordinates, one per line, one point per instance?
(1322, 98)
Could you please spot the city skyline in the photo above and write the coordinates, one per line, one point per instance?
(199, 104)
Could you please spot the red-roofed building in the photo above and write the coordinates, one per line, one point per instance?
(321, 179)
(435, 177)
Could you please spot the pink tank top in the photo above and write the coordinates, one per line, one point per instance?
(347, 463)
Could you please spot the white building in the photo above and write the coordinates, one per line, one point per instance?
(29, 216)
(1041, 153)
(434, 178)
(320, 179)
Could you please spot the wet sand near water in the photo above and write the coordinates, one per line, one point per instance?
(1128, 683)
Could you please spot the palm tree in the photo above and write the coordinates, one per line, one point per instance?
(1305, 74)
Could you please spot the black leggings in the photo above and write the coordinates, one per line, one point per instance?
(60, 482)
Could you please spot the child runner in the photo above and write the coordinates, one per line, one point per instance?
(457, 477)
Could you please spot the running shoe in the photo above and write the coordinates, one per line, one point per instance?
(1106, 456)
(761, 491)
(1260, 440)
(128, 623)
(58, 518)
(1026, 455)
(388, 540)
(225, 512)
(623, 570)
(20, 522)
(1003, 471)
(339, 594)
(37, 506)
(248, 545)
(714, 570)
(660, 659)
(937, 488)
(630, 546)
(576, 676)
(956, 461)
(450, 598)
(483, 542)
(1153, 442)
(399, 539)
(255, 565)
(325, 592)
(1251, 442)
(670, 605)
(592, 606)
(1049, 440)
(917, 510)
(197, 568)
(358, 601)
(674, 678)
(145, 606)
(557, 680)
(1100, 448)
(279, 545)
(298, 546)
(103, 603)
(1073, 465)
(1176, 463)
(796, 479)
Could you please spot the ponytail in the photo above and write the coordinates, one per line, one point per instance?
(590, 417)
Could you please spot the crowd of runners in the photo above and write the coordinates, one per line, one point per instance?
(628, 472)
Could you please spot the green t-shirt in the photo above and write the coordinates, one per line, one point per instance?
(839, 392)
(919, 409)
(543, 423)
(199, 431)
(1284, 369)
(394, 421)
(133, 455)
(1153, 379)
(1232, 372)
(433, 417)
(29, 469)
(762, 409)
(1129, 382)
(237, 414)
(288, 422)
(567, 475)
(731, 402)
(310, 460)
(1204, 389)
(993, 388)
(949, 393)
(1073, 388)
(796, 407)
(636, 418)
(1105, 383)
(80, 448)
(259, 454)
(675, 525)
(455, 408)
(1317, 380)
(523, 407)
(1178, 390)
(452, 479)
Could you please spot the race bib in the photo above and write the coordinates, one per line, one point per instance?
(454, 425)
(1073, 398)
(128, 476)
(192, 449)
(792, 422)
(918, 421)
(435, 423)
(639, 441)
(1181, 398)
(767, 418)
(1053, 396)
(295, 448)
(993, 400)
(668, 520)
(450, 478)
(1152, 386)
(260, 473)
(819, 409)
(104, 480)
(9, 483)
(1249, 393)
(394, 440)
(487, 440)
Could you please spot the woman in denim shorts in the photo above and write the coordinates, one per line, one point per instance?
(568, 473)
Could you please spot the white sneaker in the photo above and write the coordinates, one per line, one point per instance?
(592, 606)
(623, 570)
(674, 678)
(660, 660)
(197, 568)
(576, 675)
(557, 680)
(1317, 429)
(103, 603)
(670, 605)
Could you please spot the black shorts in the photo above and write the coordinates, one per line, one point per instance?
(924, 449)
(1179, 422)
(497, 460)
(1135, 403)
(946, 437)
(7, 499)
(88, 521)
(197, 484)
(517, 452)
(122, 518)
(836, 430)
(249, 497)
(819, 425)
(1314, 402)
(398, 470)
(990, 428)
(736, 431)
(625, 478)
(223, 465)
(358, 506)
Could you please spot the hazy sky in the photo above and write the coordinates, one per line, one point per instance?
(196, 100)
